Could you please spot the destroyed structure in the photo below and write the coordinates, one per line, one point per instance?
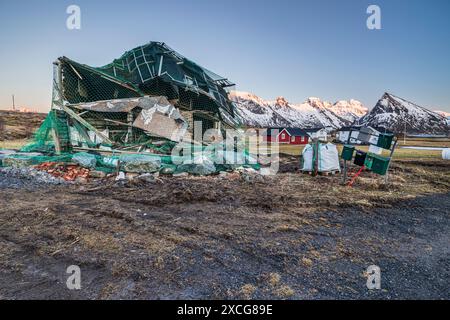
(150, 96)
(131, 114)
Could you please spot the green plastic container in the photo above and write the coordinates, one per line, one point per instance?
(347, 152)
(385, 140)
(376, 163)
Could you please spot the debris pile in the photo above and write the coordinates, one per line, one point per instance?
(12, 177)
(150, 111)
(68, 172)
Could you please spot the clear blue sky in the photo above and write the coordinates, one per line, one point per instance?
(269, 47)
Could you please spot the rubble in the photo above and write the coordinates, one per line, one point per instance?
(30, 175)
(11, 158)
(168, 169)
(147, 177)
(140, 163)
(250, 175)
(16, 162)
(120, 176)
(180, 174)
(68, 172)
(197, 169)
(97, 174)
(103, 121)
(85, 160)
(131, 176)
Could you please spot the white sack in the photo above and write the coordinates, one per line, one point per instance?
(446, 154)
(328, 158)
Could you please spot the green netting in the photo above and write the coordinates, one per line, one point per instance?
(43, 139)
(23, 160)
(201, 161)
(152, 69)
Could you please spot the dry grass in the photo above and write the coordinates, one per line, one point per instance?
(101, 242)
(307, 262)
(284, 292)
(425, 142)
(274, 279)
(247, 291)
(19, 125)
(13, 144)
(398, 154)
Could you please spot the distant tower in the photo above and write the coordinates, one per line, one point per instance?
(14, 106)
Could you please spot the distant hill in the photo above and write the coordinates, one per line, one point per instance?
(19, 125)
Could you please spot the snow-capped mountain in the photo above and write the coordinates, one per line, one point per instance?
(312, 113)
(394, 113)
(256, 112)
(350, 110)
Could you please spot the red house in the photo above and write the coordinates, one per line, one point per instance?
(287, 135)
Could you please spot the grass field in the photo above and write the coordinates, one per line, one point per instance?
(399, 152)
(297, 150)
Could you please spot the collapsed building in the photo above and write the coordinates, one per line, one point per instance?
(149, 97)
(146, 111)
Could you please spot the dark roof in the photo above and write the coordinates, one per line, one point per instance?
(291, 131)
(314, 129)
(347, 128)
(296, 132)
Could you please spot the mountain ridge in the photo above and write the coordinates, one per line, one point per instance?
(399, 115)
(313, 112)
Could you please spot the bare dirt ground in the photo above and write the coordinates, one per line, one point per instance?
(291, 236)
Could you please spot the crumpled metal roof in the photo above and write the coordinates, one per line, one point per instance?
(151, 69)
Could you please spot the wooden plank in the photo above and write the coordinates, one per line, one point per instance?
(74, 115)
(75, 70)
(386, 177)
(81, 130)
(110, 152)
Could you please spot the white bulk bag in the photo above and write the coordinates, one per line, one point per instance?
(328, 158)
(307, 157)
(446, 154)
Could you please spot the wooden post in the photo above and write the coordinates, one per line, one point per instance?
(130, 127)
(56, 140)
(344, 175)
(386, 176)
